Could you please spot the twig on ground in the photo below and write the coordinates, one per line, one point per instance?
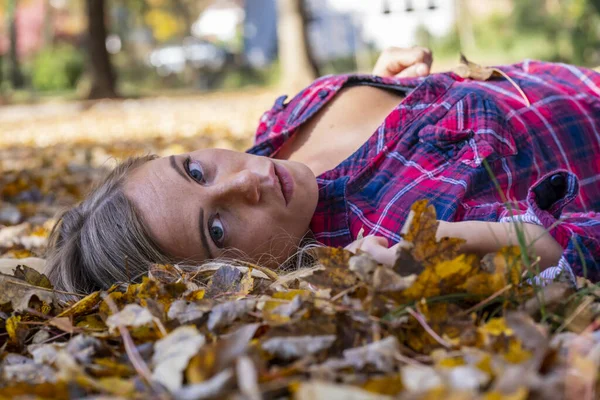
(134, 356)
(421, 320)
(486, 301)
(584, 304)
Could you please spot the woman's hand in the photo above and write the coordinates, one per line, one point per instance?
(377, 247)
(404, 63)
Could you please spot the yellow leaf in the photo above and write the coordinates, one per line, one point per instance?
(288, 296)
(117, 386)
(117, 297)
(520, 394)
(389, 384)
(103, 367)
(485, 364)
(92, 323)
(83, 306)
(421, 232)
(12, 325)
(196, 295)
(496, 327)
(516, 354)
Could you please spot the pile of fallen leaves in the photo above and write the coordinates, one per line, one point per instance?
(435, 325)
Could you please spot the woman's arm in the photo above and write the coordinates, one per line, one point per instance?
(481, 238)
(488, 237)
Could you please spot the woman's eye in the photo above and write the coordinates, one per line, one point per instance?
(217, 233)
(194, 170)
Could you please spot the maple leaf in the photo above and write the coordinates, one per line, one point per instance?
(420, 231)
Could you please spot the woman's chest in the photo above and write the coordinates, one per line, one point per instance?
(337, 130)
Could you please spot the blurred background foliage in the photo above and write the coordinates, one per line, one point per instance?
(156, 46)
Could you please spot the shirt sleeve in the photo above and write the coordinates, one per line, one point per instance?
(577, 233)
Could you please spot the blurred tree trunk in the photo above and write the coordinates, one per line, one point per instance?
(16, 76)
(298, 68)
(48, 31)
(102, 71)
(184, 12)
(464, 24)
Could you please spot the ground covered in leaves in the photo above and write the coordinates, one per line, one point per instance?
(435, 325)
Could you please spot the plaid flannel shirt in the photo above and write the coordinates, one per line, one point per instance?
(545, 157)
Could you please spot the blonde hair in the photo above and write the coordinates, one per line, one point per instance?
(103, 240)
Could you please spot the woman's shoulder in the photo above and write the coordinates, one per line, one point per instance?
(286, 114)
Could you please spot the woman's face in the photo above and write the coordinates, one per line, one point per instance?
(211, 202)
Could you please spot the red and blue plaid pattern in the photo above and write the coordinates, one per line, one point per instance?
(433, 146)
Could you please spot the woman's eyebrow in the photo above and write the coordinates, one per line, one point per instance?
(203, 235)
(176, 168)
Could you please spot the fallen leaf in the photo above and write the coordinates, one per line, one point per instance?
(132, 315)
(19, 293)
(206, 390)
(172, 354)
(291, 347)
(229, 281)
(247, 376)
(317, 390)
(225, 313)
(32, 277)
(381, 355)
(470, 70)
(83, 306)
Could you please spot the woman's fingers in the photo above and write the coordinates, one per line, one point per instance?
(367, 241)
(395, 60)
(414, 71)
(376, 247)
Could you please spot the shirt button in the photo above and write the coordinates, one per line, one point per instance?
(558, 181)
(323, 93)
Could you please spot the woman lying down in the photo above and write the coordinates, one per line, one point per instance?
(356, 151)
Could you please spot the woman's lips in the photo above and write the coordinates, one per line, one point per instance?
(287, 182)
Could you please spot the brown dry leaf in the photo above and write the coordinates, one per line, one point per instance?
(32, 276)
(334, 276)
(442, 278)
(19, 293)
(421, 228)
(552, 297)
(386, 280)
(470, 70)
(63, 323)
(229, 281)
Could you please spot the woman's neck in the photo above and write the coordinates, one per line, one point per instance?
(340, 128)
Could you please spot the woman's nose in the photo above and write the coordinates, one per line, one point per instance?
(241, 186)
